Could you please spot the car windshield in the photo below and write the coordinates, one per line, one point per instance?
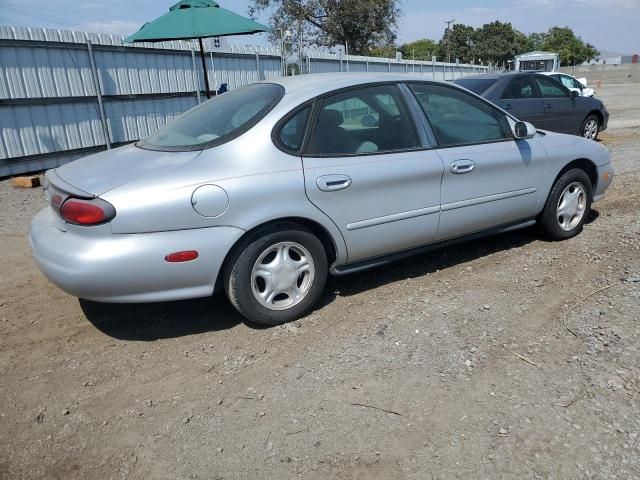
(476, 85)
(216, 121)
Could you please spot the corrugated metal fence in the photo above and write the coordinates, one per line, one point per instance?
(67, 94)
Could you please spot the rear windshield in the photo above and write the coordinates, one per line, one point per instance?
(216, 121)
(476, 85)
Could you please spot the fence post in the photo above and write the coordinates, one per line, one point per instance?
(259, 70)
(213, 72)
(98, 87)
(196, 81)
(433, 67)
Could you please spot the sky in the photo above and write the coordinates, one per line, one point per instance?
(611, 25)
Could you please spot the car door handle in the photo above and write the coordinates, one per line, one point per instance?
(333, 183)
(548, 105)
(460, 167)
(508, 106)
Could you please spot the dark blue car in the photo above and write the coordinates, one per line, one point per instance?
(542, 101)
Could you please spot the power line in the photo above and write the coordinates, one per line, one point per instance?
(19, 10)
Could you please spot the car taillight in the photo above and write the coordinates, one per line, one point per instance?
(87, 212)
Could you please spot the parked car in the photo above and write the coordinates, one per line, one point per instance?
(542, 101)
(574, 84)
(266, 189)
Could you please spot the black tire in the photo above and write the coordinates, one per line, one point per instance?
(238, 282)
(549, 221)
(590, 128)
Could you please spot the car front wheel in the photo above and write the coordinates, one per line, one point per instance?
(590, 127)
(568, 205)
(277, 276)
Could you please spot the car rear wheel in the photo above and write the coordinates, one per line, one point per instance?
(590, 127)
(568, 205)
(277, 276)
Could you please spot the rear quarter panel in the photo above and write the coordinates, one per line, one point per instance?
(262, 184)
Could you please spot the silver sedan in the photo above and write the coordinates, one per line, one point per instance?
(265, 190)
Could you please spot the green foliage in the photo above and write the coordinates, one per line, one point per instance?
(386, 51)
(363, 24)
(535, 41)
(499, 42)
(458, 43)
(571, 48)
(420, 49)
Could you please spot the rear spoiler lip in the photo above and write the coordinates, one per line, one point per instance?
(52, 177)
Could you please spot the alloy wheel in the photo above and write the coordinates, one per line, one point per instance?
(282, 276)
(571, 206)
(591, 129)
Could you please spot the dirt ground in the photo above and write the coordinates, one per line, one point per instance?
(510, 357)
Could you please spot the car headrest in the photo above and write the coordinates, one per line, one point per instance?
(331, 119)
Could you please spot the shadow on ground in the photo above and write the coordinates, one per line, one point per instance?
(149, 322)
(155, 321)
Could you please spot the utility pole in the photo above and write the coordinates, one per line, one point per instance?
(446, 35)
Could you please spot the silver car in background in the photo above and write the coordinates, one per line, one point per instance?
(264, 190)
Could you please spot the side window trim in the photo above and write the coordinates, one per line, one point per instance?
(437, 144)
(319, 103)
(536, 87)
(421, 123)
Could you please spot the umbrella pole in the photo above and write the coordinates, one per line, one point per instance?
(204, 70)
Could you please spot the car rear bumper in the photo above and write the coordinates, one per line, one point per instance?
(129, 268)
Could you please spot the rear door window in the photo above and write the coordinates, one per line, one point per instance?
(519, 88)
(363, 121)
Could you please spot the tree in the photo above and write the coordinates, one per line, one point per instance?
(572, 49)
(458, 42)
(386, 51)
(362, 24)
(499, 42)
(535, 41)
(420, 49)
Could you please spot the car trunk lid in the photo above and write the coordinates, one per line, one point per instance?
(104, 171)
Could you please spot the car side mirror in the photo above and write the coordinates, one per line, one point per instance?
(574, 94)
(523, 130)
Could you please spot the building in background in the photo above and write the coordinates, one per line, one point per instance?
(538, 62)
(613, 58)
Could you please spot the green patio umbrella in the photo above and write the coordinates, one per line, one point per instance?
(189, 19)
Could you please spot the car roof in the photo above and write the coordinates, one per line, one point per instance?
(557, 73)
(310, 86)
(494, 76)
